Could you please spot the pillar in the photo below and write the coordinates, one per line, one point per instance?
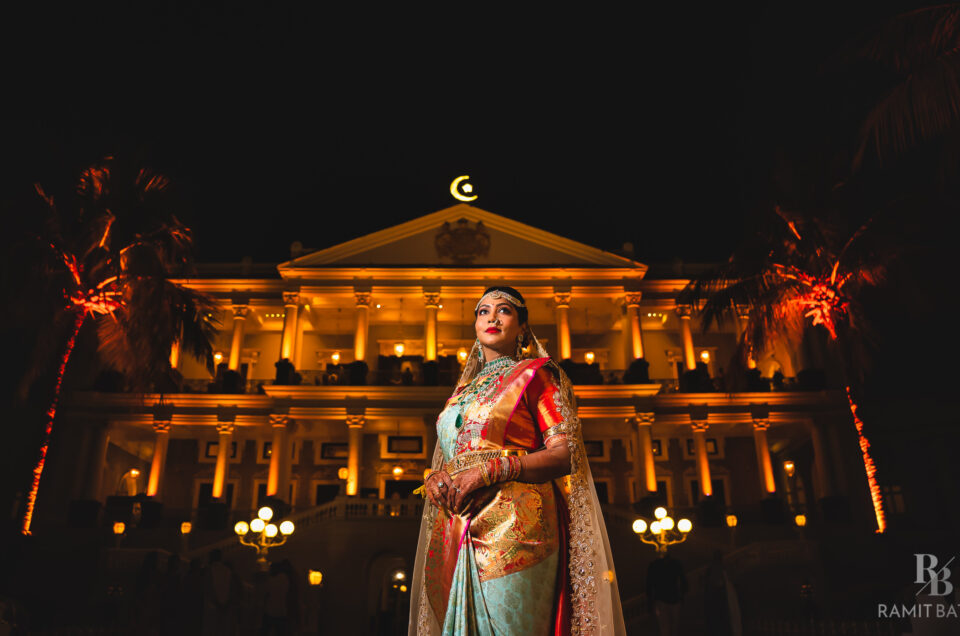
(278, 426)
(99, 437)
(432, 305)
(363, 320)
(160, 444)
(643, 464)
(743, 321)
(225, 434)
(239, 320)
(703, 466)
(767, 482)
(689, 357)
(175, 351)
(636, 335)
(562, 300)
(821, 459)
(288, 340)
(298, 339)
(355, 429)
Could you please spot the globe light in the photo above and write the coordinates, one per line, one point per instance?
(399, 575)
(655, 527)
(666, 523)
(134, 473)
(315, 577)
(789, 467)
(119, 527)
(731, 521)
(660, 512)
(801, 520)
(398, 349)
(589, 357)
(271, 530)
(257, 525)
(462, 354)
(335, 357)
(241, 528)
(397, 470)
(286, 528)
(639, 526)
(343, 473)
(186, 527)
(217, 357)
(403, 588)
(265, 513)
(705, 356)
(684, 526)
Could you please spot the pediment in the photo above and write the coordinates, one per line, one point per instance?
(464, 236)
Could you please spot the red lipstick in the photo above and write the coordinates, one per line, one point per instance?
(493, 330)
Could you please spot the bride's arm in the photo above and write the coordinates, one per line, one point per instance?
(547, 464)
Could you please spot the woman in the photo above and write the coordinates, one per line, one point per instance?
(512, 539)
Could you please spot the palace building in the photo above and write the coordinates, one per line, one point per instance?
(334, 365)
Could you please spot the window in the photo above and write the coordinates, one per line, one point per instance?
(594, 448)
(657, 447)
(404, 444)
(211, 449)
(334, 450)
(711, 446)
(893, 495)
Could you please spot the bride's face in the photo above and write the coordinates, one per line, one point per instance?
(498, 325)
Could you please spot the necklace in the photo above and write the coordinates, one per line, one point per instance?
(491, 373)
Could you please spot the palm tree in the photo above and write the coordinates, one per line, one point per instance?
(803, 275)
(920, 50)
(111, 245)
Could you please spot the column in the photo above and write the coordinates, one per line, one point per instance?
(643, 465)
(703, 466)
(562, 299)
(636, 336)
(278, 426)
(175, 351)
(225, 434)
(160, 445)
(743, 321)
(767, 482)
(239, 320)
(689, 357)
(363, 319)
(821, 460)
(355, 429)
(298, 340)
(99, 437)
(291, 301)
(432, 304)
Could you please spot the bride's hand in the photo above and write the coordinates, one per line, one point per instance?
(463, 485)
(438, 493)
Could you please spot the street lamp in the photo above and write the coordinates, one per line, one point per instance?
(261, 535)
(662, 532)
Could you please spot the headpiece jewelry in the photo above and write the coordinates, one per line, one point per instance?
(496, 293)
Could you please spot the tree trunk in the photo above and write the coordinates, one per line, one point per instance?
(51, 414)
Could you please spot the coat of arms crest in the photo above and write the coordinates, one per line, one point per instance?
(462, 242)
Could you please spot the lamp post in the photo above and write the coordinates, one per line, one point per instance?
(185, 529)
(662, 532)
(262, 535)
(732, 524)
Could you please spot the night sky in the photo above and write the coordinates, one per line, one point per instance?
(661, 129)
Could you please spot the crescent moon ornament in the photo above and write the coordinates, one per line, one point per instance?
(466, 188)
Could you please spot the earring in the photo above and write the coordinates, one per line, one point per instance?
(479, 351)
(519, 352)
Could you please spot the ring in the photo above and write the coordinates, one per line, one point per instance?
(457, 488)
(442, 485)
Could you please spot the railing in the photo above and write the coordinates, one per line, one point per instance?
(340, 508)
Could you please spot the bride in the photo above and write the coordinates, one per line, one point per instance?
(512, 539)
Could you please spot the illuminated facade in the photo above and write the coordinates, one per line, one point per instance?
(400, 300)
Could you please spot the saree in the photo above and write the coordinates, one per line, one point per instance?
(532, 558)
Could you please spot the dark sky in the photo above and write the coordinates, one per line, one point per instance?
(657, 128)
